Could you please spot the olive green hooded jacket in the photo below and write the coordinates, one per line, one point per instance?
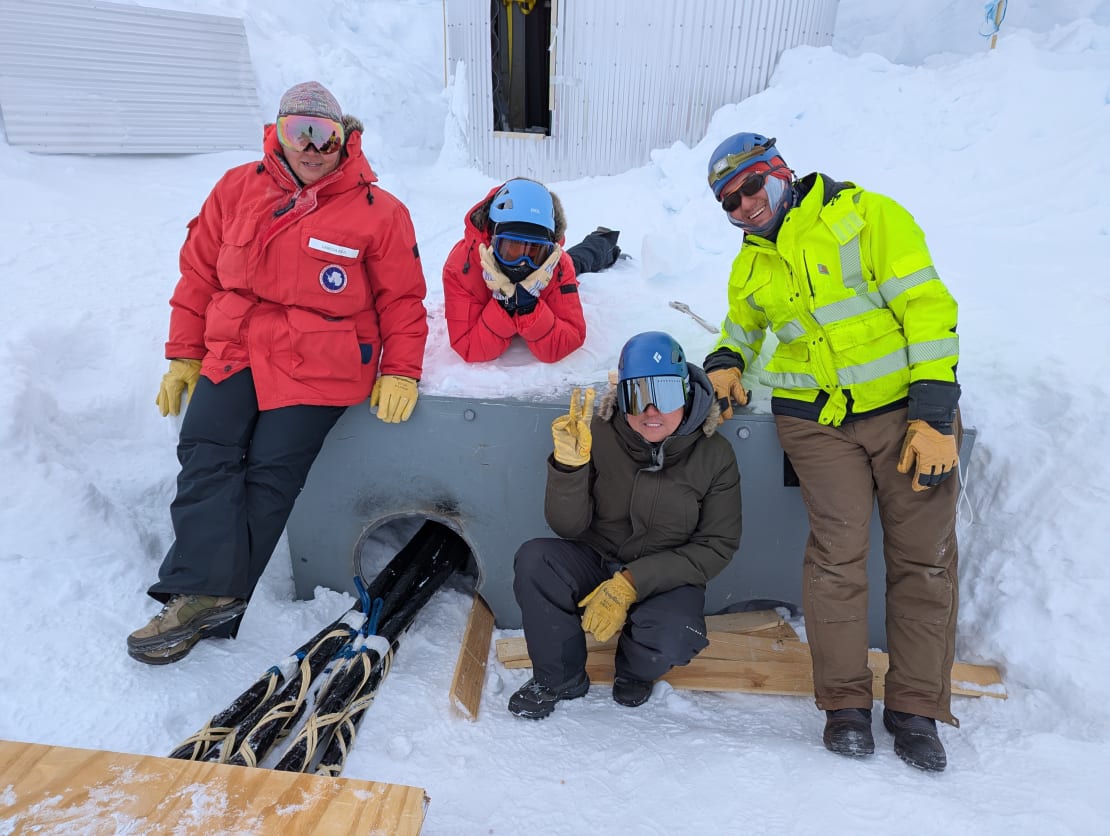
(670, 512)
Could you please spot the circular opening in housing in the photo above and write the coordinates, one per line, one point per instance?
(384, 537)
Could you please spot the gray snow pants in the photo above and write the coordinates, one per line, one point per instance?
(241, 471)
(552, 575)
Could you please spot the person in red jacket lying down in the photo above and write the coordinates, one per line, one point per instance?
(509, 276)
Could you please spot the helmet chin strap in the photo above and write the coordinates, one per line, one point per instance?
(780, 194)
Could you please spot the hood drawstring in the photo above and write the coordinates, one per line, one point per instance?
(369, 194)
(466, 264)
(260, 168)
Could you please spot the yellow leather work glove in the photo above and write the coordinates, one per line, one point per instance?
(495, 280)
(607, 607)
(395, 396)
(571, 433)
(182, 374)
(540, 278)
(728, 386)
(934, 452)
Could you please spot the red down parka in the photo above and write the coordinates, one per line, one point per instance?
(314, 288)
(480, 329)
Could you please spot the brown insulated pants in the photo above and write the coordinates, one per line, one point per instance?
(842, 471)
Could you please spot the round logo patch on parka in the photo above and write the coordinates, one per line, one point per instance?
(333, 278)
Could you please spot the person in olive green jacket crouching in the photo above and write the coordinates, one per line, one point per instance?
(645, 498)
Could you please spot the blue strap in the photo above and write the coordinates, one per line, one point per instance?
(375, 614)
(991, 9)
(363, 595)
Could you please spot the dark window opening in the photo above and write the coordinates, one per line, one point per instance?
(520, 40)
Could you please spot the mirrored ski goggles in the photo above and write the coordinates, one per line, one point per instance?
(520, 250)
(299, 132)
(665, 392)
(749, 188)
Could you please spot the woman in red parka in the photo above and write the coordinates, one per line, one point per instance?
(301, 294)
(509, 276)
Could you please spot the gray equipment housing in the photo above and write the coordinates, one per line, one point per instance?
(480, 467)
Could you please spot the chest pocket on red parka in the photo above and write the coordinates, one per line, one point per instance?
(234, 258)
(330, 272)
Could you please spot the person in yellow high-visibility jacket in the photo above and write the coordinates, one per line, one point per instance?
(865, 401)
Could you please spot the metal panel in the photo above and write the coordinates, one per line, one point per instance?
(630, 76)
(448, 463)
(78, 76)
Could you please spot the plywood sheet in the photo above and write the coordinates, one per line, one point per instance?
(53, 789)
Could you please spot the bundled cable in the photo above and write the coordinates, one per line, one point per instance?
(347, 661)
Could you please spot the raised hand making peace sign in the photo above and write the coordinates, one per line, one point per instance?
(571, 433)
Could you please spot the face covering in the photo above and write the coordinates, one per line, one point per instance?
(780, 197)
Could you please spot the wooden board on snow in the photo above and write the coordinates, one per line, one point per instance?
(745, 656)
(54, 789)
(470, 669)
(513, 652)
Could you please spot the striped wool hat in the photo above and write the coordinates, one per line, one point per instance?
(310, 98)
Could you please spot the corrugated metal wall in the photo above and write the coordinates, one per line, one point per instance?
(630, 76)
(78, 76)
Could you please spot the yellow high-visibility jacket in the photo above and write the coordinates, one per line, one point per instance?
(850, 291)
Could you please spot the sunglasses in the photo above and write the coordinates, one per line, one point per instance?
(665, 392)
(749, 188)
(520, 250)
(300, 132)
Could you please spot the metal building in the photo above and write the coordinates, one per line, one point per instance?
(561, 89)
(84, 77)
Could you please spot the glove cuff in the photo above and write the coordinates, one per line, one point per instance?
(626, 589)
(722, 358)
(935, 402)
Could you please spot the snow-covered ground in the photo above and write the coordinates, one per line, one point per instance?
(1002, 157)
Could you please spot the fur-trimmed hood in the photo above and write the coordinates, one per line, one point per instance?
(477, 219)
(704, 412)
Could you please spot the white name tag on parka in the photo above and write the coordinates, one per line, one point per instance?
(334, 249)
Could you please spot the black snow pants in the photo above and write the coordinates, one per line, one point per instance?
(552, 575)
(241, 471)
(596, 252)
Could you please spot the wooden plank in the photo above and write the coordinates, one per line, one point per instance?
(470, 669)
(513, 652)
(59, 790)
(756, 664)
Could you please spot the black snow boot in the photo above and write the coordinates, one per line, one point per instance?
(916, 740)
(631, 692)
(534, 701)
(848, 732)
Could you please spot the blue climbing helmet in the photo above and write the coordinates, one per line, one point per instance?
(738, 152)
(652, 370)
(524, 202)
(522, 213)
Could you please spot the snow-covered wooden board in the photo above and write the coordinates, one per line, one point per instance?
(53, 789)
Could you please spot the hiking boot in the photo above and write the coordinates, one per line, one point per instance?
(167, 655)
(916, 740)
(183, 619)
(848, 732)
(534, 701)
(631, 692)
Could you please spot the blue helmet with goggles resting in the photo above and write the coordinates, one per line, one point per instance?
(522, 213)
(738, 152)
(652, 371)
